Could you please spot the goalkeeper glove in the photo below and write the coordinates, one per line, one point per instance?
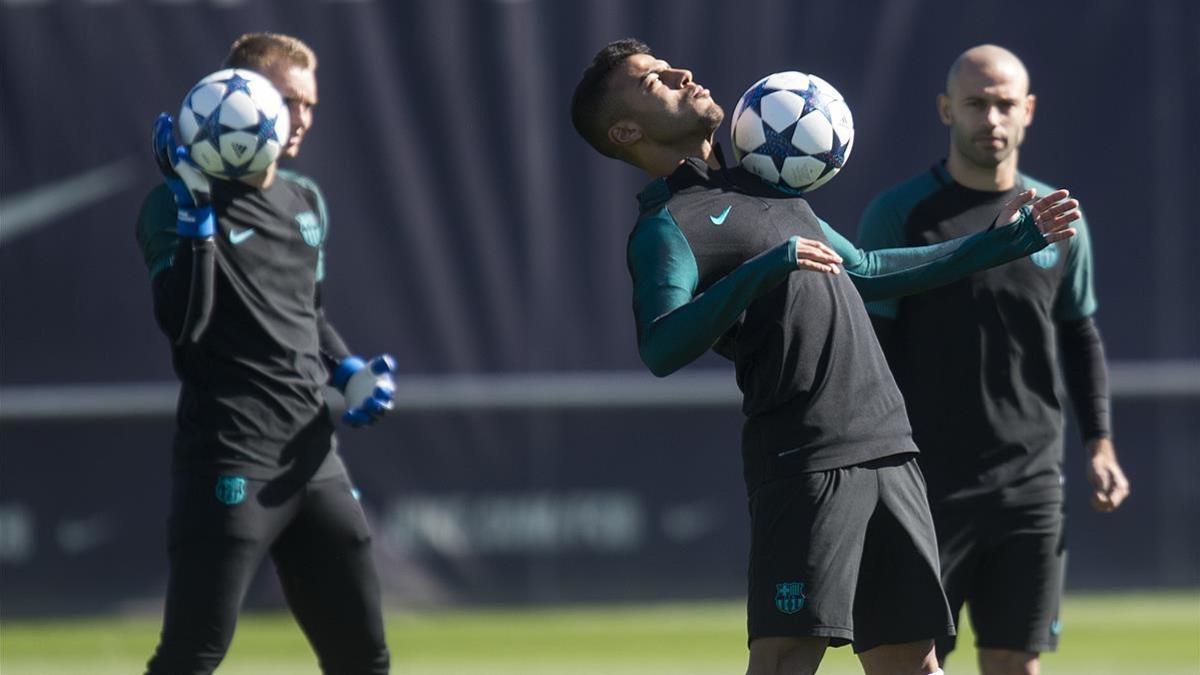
(193, 194)
(367, 386)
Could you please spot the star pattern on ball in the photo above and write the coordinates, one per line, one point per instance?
(779, 146)
(237, 83)
(209, 127)
(811, 149)
(267, 130)
(815, 99)
(235, 171)
(836, 157)
(752, 99)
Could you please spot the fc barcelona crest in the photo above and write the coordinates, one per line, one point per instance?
(1045, 258)
(231, 490)
(310, 228)
(789, 596)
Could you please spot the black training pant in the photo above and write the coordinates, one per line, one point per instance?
(220, 529)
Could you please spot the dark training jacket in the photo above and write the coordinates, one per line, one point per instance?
(252, 400)
(713, 262)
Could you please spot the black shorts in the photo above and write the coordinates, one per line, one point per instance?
(848, 554)
(1007, 564)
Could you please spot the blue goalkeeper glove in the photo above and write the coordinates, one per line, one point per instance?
(367, 386)
(193, 194)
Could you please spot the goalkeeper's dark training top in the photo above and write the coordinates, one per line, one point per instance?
(977, 359)
(713, 264)
(251, 401)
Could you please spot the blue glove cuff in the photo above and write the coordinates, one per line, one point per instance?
(345, 370)
(195, 222)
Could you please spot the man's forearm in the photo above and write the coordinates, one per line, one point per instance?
(674, 330)
(895, 272)
(1086, 375)
(332, 347)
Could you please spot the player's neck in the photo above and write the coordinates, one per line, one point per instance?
(262, 180)
(662, 160)
(999, 178)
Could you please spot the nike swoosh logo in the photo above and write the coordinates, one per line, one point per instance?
(238, 236)
(717, 220)
(46, 204)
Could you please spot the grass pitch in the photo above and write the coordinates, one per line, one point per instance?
(1104, 634)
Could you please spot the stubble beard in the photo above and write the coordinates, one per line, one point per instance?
(700, 128)
(985, 159)
(713, 118)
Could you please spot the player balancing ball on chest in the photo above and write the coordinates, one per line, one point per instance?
(792, 130)
(234, 122)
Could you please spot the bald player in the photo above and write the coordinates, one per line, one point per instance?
(986, 348)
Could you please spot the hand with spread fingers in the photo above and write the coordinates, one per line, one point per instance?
(1052, 214)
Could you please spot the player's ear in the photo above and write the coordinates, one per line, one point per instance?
(943, 106)
(624, 133)
(1030, 105)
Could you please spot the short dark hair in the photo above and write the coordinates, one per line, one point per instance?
(590, 110)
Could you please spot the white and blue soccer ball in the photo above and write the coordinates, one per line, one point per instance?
(793, 130)
(234, 122)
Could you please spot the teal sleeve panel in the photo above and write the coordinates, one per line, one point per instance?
(1077, 295)
(674, 325)
(881, 227)
(156, 233)
(896, 272)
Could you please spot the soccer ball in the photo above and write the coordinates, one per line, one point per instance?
(792, 130)
(234, 122)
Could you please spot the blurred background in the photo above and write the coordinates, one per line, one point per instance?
(532, 461)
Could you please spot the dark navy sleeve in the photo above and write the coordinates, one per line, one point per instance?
(895, 272)
(182, 273)
(1086, 376)
(674, 325)
(333, 347)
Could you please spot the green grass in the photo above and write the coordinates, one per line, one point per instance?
(1110, 634)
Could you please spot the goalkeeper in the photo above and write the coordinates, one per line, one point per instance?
(236, 270)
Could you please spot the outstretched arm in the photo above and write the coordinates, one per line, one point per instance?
(894, 272)
(675, 326)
